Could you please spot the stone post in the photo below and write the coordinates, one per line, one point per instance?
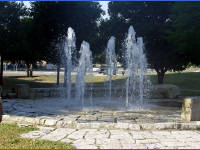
(191, 109)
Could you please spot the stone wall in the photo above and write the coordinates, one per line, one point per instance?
(23, 91)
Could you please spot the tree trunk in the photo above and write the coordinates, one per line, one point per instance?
(160, 75)
(31, 70)
(58, 75)
(160, 78)
(28, 69)
(1, 70)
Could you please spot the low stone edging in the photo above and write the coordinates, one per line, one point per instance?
(99, 125)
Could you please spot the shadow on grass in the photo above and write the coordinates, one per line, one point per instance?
(189, 82)
(10, 82)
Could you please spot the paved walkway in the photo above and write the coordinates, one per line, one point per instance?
(119, 139)
(157, 127)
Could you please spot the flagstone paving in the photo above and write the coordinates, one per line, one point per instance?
(157, 127)
(125, 139)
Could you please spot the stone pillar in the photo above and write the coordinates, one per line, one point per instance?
(1, 106)
(191, 109)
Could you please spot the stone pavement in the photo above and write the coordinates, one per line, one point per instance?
(158, 127)
(119, 139)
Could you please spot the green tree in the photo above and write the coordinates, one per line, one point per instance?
(185, 32)
(9, 21)
(52, 19)
(113, 26)
(26, 50)
(151, 20)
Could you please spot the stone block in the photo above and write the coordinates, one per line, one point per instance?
(165, 126)
(191, 109)
(22, 91)
(50, 122)
(167, 91)
(135, 127)
(57, 134)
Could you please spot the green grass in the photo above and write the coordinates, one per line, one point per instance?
(189, 82)
(9, 139)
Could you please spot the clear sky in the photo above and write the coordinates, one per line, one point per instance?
(104, 5)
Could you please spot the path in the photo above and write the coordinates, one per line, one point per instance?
(158, 127)
(119, 139)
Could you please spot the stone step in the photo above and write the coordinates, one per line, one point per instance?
(70, 123)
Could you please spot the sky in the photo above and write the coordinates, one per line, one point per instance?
(104, 5)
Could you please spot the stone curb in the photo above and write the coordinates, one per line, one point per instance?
(59, 123)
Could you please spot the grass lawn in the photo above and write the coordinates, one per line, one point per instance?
(189, 82)
(9, 139)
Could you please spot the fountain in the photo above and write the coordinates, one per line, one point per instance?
(69, 49)
(111, 62)
(137, 83)
(85, 64)
(130, 95)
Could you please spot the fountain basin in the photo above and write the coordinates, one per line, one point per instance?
(162, 114)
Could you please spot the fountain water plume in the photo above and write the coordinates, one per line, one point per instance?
(136, 84)
(111, 62)
(85, 64)
(69, 49)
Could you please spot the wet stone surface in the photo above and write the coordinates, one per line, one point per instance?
(54, 112)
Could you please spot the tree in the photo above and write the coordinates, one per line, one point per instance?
(185, 32)
(9, 21)
(110, 27)
(151, 20)
(52, 19)
(26, 50)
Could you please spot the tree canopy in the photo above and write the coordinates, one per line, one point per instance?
(11, 13)
(185, 32)
(52, 19)
(151, 20)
